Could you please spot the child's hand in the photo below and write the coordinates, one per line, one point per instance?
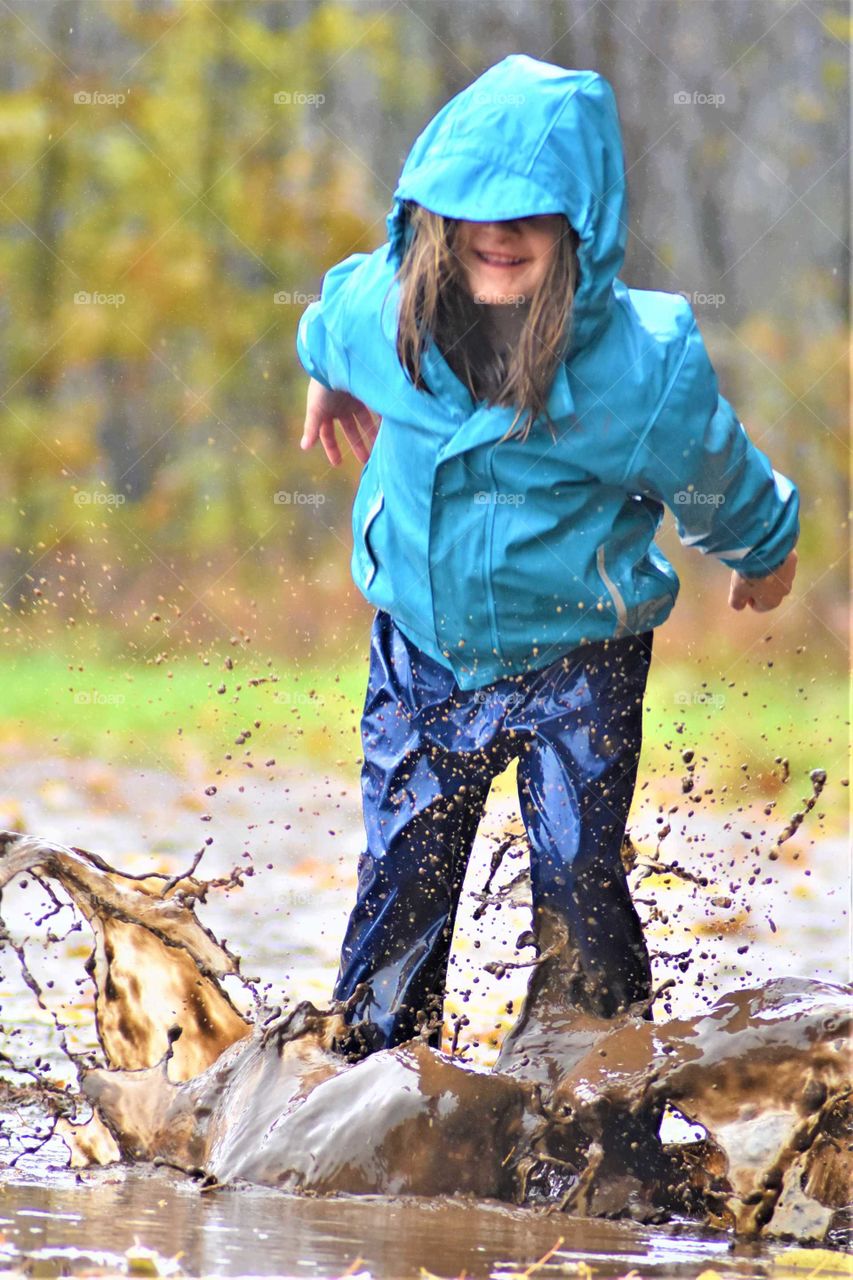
(323, 408)
(763, 594)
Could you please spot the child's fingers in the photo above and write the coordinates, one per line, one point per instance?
(310, 429)
(372, 430)
(330, 442)
(739, 595)
(350, 425)
(761, 595)
(314, 416)
(355, 420)
(369, 425)
(360, 430)
(772, 597)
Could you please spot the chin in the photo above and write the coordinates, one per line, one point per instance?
(488, 291)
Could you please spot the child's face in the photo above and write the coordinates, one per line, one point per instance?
(506, 261)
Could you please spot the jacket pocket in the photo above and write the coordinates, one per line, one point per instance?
(613, 592)
(649, 610)
(365, 562)
(664, 584)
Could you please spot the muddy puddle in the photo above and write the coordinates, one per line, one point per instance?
(68, 1226)
(711, 1139)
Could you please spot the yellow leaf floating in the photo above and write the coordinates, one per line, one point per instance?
(811, 1264)
(141, 1261)
(581, 1269)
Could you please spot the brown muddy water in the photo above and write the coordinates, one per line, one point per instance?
(730, 906)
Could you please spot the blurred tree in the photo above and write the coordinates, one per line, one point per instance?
(223, 156)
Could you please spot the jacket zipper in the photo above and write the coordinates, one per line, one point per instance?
(490, 586)
(615, 594)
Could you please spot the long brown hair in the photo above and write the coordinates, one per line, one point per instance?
(435, 303)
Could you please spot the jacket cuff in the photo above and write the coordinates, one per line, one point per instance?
(760, 564)
(762, 568)
(303, 350)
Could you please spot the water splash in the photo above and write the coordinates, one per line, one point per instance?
(569, 1116)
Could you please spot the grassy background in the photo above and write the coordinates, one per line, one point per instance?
(194, 710)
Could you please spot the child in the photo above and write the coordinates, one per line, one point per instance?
(536, 415)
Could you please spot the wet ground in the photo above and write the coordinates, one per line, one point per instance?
(301, 841)
(252, 1231)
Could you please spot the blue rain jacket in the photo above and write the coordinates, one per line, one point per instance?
(495, 558)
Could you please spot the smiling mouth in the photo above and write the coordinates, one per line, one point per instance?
(499, 259)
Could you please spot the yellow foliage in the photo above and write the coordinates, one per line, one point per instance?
(839, 25)
(809, 1264)
(23, 119)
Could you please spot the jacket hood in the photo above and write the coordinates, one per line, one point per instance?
(527, 137)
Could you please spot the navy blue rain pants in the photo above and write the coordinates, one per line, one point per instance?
(431, 751)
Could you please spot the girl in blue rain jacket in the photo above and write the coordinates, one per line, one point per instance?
(536, 416)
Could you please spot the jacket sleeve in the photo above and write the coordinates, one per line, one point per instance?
(696, 456)
(322, 326)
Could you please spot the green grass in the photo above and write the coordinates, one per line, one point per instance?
(134, 713)
(770, 712)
